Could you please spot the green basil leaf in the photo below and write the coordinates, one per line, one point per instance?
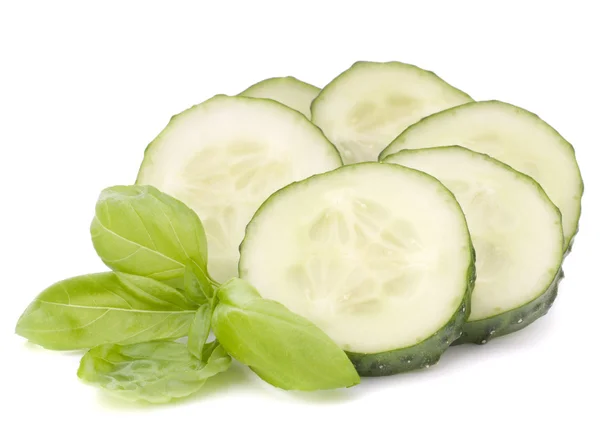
(142, 231)
(284, 349)
(94, 309)
(196, 289)
(200, 329)
(156, 371)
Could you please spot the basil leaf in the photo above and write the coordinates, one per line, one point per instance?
(195, 288)
(200, 329)
(156, 371)
(142, 231)
(94, 309)
(284, 349)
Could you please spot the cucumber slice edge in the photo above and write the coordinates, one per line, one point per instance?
(400, 139)
(424, 354)
(281, 89)
(481, 330)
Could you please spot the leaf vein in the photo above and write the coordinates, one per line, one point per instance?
(119, 309)
(140, 245)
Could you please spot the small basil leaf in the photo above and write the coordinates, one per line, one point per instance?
(142, 231)
(94, 309)
(200, 329)
(284, 349)
(156, 371)
(209, 347)
(216, 359)
(197, 289)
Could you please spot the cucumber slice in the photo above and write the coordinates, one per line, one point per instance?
(389, 283)
(365, 107)
(514, 136)
(290, 91)
(516, 232)
(224, 157)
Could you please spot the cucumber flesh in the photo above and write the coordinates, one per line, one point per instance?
(289, 91)
(224, 157)
(389, 284)
(516, 231)
(511, 135)
(366, 107)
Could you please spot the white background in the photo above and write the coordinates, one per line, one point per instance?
(84, 86)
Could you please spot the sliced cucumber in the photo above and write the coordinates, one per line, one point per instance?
(224, 157)
(365, 107)
(516, 232)
(514, 136)
(390, 284)
(290, 91)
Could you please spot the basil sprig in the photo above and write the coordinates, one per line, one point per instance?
(160, 290)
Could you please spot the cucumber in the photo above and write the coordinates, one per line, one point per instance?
(389, 284)
(225, 156)
(290, 91)
(366, 107)
(514, 136)
(516, 232)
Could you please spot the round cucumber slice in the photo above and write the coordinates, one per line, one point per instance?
(290, 91)
(514, 136)
(377, 255)
(367, 106)
(516, 232)
(225, 156)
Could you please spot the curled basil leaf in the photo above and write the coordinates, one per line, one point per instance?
(281, 347)
(156, 372)
(200, 329)
(100, 308)
(143, 231)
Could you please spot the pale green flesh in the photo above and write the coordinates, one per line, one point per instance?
(516, 230)
(367, 106)
(224, 157)
(342, 250)
(513, 136)
(289, 91)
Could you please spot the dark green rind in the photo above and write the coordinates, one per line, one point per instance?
(569, 247)
(423, 354)
(481, 331)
